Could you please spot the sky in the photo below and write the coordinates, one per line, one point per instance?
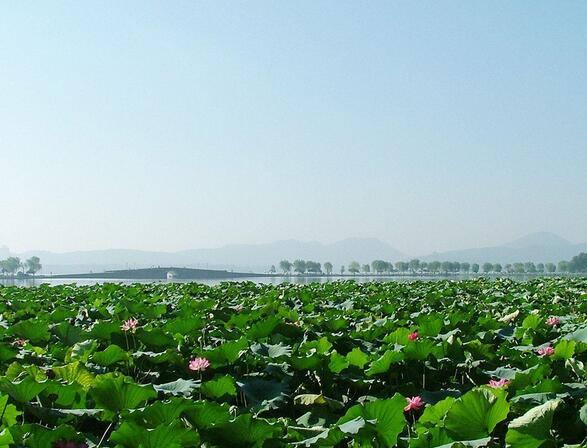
(176, 125)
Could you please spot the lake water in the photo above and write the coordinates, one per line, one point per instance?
(266, 280)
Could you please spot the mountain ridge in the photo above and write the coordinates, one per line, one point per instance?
(537, 247)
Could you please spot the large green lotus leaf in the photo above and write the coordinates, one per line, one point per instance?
(6, 439)
(583, 414)
(74, 373)
(154, 310)
(270, 350)
(430, 438)
(131, 435)
(104, 330)
(390, 418)
(219, 387)
(68, 395)
(532, 321)
(168, 356)
(317, 399)
(184, 326)
(263, 328)
(155, 337)
(9, 414)
(35, 330)
(579, 335)
(178, 387)
(387, 417)
(434, 415)
(419, 349)
(22, 391)
(205, 414)
(312, 362)
(15, 370)
(117, 392)
(564, 349)
(532, 429)
(160, 412)
(384, 362)
(111, 355)
(228, 352)
(7, 352)
(475, 414)
(68, 334)
(321, 346)
(430, 325)
(356, 357)
(399, 336)
(81, 351)
(334, 436)
(37, 436)
(337, 362)
(467, 443)
(264, 394)
(244, 431)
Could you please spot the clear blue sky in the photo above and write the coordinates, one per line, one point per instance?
(173, 125)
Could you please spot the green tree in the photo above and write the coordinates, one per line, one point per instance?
(299, 266)
(509, 268)
(414, 264)
(540, 267)
(272, 269)
(12, 265)
(328, 267)
(366, 269)
(33, 265)
(285, 266)
(380, 266)
(550, 267)
(434, 266)
(578, 263)
(354, 267)
(401, 266)
(530, 267)
(519, 268)
(563, 266)
(342, 270)
(475, 268)
(446, 266)
(465, 267)
(487, 267)
(314, 267)
(497, 267)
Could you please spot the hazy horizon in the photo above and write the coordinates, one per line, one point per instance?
(166, 127)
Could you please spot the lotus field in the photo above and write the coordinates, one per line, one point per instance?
(424, 364)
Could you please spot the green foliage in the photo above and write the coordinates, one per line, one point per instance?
(296, 365)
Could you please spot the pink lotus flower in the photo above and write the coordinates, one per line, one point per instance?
(20, 342)
(130, 325)
(545, 351)
(199, 364)
(413, 336)
(553, 321)
(414, 403)
(497, 384)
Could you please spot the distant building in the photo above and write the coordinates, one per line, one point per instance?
(171, 275)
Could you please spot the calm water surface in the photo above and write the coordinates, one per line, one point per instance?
(263, 280)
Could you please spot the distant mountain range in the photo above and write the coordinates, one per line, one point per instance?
(241, 257)
(537, 247)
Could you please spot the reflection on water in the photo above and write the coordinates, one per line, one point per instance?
(264, 280)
